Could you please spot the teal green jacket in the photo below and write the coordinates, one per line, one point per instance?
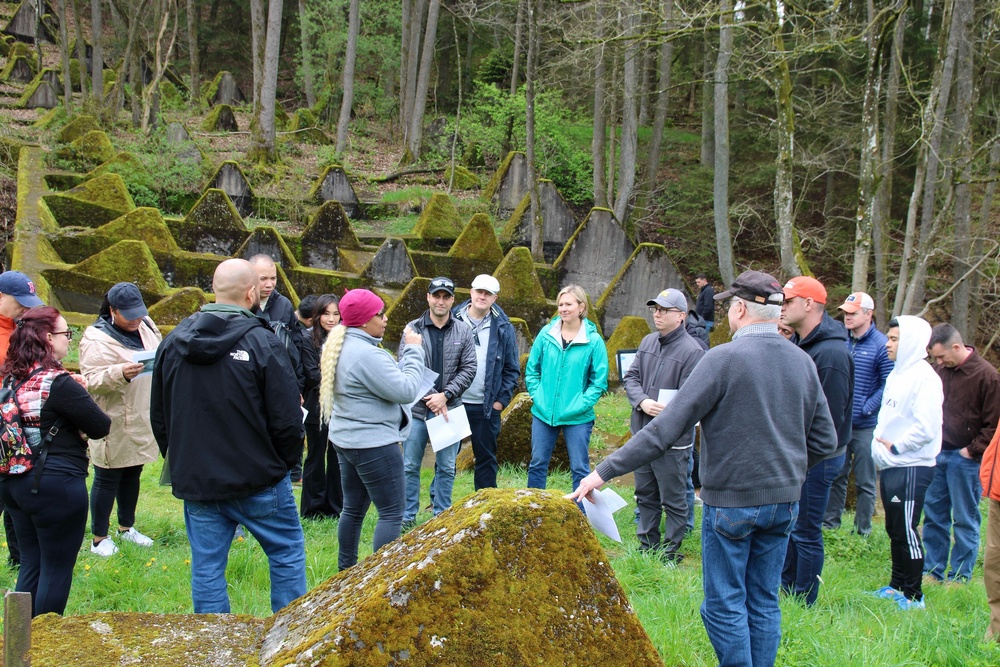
(565, 385)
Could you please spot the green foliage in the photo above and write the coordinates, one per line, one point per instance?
(496, 67)
(163, 181)
(562, 145)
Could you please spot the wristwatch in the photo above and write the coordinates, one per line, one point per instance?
(448, 395)
(894, 450)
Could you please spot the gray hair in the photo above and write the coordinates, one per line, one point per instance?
(764, 312)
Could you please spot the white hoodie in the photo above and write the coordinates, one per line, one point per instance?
(911, 413)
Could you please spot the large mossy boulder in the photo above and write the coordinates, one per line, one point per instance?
(627, 336)
(439, 220)
(460, 178)
(144, 224)
(89, 149)
(93, 203)
(220, 119)
(174, 308)
(77, 127)
(507, 577)
(478, 241)
(514, 441)
(213, 225)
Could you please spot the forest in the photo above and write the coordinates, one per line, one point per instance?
(853, 141)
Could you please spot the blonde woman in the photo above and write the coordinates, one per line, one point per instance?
(364, 397)
(566, 374)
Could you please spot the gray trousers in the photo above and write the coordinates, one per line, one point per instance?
(859, 457)
(661, 488)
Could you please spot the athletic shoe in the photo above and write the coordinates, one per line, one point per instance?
(911, 605)
(889, 593)
(104, 548)
(135, 537)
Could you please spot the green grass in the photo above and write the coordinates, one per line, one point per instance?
(845, 628)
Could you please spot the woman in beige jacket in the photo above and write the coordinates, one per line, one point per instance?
(120, 386)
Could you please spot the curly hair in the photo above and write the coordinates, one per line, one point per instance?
(29, 346)
(328, 370)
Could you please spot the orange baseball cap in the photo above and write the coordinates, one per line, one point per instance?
(805, 287)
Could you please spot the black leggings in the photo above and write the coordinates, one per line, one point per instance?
(322, 495)
(50, 526)
(110, 484)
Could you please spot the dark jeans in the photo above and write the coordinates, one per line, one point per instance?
(661, 488)
(859, 457)
(804, 560)
(322, 495)
(13, 551)
(903, 491)
(484, 444)
(370, 476)
(50, 527)
(111, 484)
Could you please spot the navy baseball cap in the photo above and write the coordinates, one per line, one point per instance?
(19, 286)
(126, 299)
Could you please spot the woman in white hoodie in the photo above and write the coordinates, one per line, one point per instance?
(907, 440)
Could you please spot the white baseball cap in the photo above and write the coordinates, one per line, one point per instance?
(484, 281)
(857, 301)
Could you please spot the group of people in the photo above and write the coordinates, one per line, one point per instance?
(850, 397)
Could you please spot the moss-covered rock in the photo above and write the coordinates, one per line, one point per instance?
(89, 150)
(507, 577)
(463, 178)
(391, 265)
(220, 119)
(334, 185)
(627, 336)
(39, 94)
(266, 240)
(307, 280)
(174, 308)
(187, 269)
(301, 118)
(170, 97)
(439, 220)
(514, 441)
(478, 241)
(518, 281)
(50, 118)
(77, 127)
(19, 69)
(328, 231)
(223, 90)
(92, 203)
(10, 151)
(213, 225)
(152, 640)
(143, 224)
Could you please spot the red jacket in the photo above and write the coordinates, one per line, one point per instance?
(989, 469)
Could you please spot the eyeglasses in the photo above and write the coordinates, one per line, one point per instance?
(380, 313)
(68, 333)
(656, 310)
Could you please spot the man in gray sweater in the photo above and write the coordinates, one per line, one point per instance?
(761, 433)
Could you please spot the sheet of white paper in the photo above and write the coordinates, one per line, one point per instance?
(426, 385)
(443, 433)
(305, 413)
(614, 501)
(599, 514)
(146, 358)
(666, 395)
(894, 429)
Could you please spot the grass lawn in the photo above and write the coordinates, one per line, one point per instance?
(845, 628)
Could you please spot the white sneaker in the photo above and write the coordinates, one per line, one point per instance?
(135, 537)
(104, 548)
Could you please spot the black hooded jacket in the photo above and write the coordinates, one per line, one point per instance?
(225, 404)
(827, 345)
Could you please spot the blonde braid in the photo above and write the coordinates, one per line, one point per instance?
(328, 370)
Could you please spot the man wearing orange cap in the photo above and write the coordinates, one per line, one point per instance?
(825, 340)
(871, 367)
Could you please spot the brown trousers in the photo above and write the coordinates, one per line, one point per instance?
(991, 570)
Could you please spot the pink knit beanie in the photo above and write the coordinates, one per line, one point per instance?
(358, 306)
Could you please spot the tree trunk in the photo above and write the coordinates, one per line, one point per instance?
(262, 135)
(416, 134)
(984, 220)
(599, 143)
(648, 57)
(81, 48)
(417, 12)
(258, 36)
(630, 131)
(97, 57)
(192, 30)
(64, 57)
(964, 104)
(781, 84)
(515, 75)
(353, 29)
(707, 109)
(404, 52)
(307, 67)
(161, 59)
(537, 231)
(662, 99)
(720, 185)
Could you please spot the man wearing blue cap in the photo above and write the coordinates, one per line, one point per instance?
(17, 294)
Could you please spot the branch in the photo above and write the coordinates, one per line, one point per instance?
(965, 276)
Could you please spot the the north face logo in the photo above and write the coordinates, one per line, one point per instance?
(240, 355)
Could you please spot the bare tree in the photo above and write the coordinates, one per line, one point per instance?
(537, 232)
(415, 135)
(307, 69)
(81, 47)
(353, 28)
(599, 143)
(627, 159)
(662, 95)
(258, 36)
(162, 48)
(97, 53)
(64, 57)
(720, 186)
(192, 35)
(262, 132)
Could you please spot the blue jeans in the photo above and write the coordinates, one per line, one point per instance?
(272, 518)
(952, 503)
(369, 476)
(543, 441)
(804, 561)
(690, 492)
(742, 549)
(444, 471)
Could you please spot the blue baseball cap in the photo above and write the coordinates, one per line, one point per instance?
(19, 286)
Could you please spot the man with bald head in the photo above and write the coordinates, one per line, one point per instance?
(225, 405)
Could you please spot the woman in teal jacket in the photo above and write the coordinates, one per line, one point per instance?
(566, 374)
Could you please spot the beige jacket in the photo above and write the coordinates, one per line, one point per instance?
(130, 442)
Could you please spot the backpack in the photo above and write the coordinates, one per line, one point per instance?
(21, 450)
(696, 326)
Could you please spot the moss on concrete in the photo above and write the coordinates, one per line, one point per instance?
(129, 261)
(627, 336)
(494, 183)
(143, 224)
(301, 118)
(464, 179)
(10, 151)
(89, 150)
(478, 241)
(17, 63)
(506, 578)
(518, 281)
(439, 220)
(77, 127)
(212, 225)
(234, 166)
(220, 119)
(93, 203)
(511, 232)
(266, 240)
(174, 308)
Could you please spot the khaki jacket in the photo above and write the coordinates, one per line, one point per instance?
(130, 442)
